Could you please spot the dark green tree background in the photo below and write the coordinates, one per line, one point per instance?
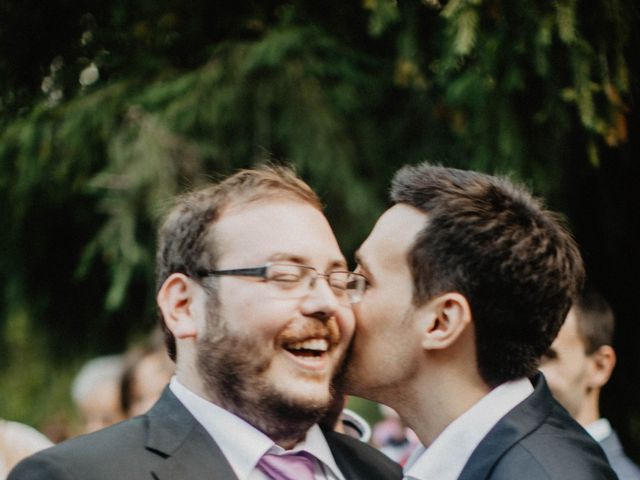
(108, 109)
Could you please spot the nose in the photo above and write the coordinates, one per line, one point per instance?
(321, 302)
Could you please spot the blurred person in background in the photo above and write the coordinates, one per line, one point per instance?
(148, 369)
(579, 364)
(96, 392)
(18, 441)
(393, 437)
(353, 424)
(344, 420)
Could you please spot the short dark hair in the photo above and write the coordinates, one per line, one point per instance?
(493, 242)
(595, 320)
(186, 241)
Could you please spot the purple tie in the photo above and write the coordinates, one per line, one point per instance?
(296, 466)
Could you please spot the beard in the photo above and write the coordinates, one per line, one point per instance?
(233, 369)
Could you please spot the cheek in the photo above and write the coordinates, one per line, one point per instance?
(251, 314)
(346, 323)
(372, 312)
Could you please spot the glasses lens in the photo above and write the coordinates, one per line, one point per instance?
(286, 277)
(295, 280)
(339, 281)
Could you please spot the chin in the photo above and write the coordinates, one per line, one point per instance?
(308, 394)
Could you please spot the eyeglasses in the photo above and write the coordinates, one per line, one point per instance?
(295, 281)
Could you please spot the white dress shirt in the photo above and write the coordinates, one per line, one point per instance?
(243, 445)
(445, 458)
(599, 430)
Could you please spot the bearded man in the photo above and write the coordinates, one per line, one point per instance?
(255, 298)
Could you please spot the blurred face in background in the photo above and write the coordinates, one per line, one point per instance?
(150, 377)
(567, 367)
(100, 407)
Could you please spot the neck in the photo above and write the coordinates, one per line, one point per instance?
(286, 429)
(590, 409)
(437, 401)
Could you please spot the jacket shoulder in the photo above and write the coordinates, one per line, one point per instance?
(550, 452)
(538, 440)
(86, 456)
(39, 467)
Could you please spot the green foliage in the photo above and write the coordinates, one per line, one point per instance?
(22, 399)
(383, 14)
(128, 105)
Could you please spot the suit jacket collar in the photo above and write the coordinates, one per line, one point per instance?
(186, 449)
(356, 462)
(345, 464)
(515, 425)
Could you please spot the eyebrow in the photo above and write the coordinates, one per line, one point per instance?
(289, 257)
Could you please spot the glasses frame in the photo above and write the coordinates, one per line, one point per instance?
(354, 295)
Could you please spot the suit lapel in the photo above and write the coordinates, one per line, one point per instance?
(183, 446)
(355, 460)
(345, 466)
(519, 422)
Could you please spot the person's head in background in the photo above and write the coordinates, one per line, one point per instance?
(147, 372)
(581, 359)
(344, 420)
(18, 441)
(96, 392)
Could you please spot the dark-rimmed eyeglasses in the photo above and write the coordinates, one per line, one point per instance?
(295, 281)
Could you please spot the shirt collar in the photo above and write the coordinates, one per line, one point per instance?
(447, 455)
(244, 448)
(599, 430)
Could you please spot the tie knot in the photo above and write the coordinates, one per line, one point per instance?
(288, 466)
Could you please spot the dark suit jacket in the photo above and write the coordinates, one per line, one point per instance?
(168, 443)
(537, 440)
(623, 465)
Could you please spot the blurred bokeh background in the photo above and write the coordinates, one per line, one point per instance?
(109, 108)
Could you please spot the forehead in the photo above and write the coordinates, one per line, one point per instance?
(277, 229)
(393, 235)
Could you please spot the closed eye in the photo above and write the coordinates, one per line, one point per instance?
(285, 278)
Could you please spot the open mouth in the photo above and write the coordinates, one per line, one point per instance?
(311, 348)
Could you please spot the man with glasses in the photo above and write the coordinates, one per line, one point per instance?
(468, 281)
(255, 298)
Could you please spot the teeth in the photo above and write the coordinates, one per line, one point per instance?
(316, 344)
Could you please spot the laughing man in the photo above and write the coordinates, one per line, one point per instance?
(255, 299)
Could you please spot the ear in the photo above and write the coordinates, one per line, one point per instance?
(603, 361)
(447, 316)
(176, 301)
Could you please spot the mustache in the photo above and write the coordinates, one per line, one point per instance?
(323, 329)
